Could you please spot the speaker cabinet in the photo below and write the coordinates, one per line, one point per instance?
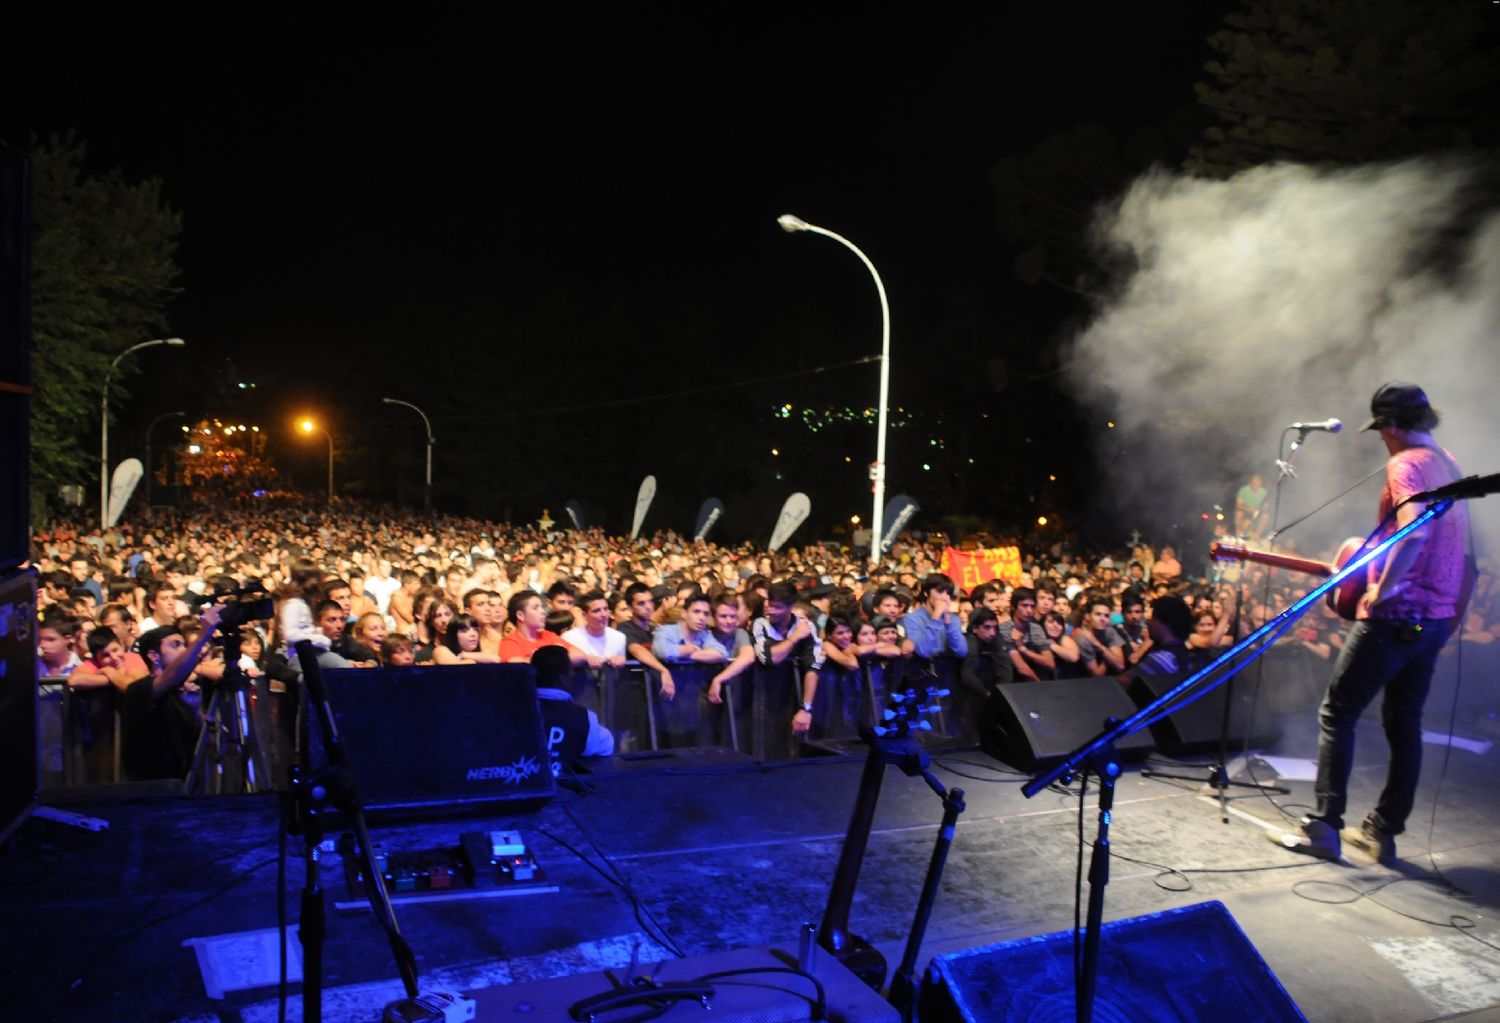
(20, 778)
(433, 739)
(1188, 965)
(1196, 727)
(1038, 723)
(15, 357)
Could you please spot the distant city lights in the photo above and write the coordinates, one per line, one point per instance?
(815, 419)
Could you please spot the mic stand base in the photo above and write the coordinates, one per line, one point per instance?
(1217, 779)
(1106, 767)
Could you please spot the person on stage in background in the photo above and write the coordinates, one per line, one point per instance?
(1249, 502)
(1405, 618)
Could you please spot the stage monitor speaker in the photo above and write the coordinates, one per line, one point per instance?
(427, 740)
(1196, 727)
(1039, 723)
(1188, 965)
(753, 985)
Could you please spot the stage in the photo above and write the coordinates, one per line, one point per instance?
(694, 855)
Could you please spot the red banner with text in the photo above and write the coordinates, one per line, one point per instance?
(970, 568)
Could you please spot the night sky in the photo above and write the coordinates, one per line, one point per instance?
(524, 227)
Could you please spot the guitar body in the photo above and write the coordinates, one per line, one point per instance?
(1345, 597)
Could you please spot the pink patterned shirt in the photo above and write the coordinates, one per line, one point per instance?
(1436, 577)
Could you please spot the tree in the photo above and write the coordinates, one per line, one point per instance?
(1318, 82)
(103, 269)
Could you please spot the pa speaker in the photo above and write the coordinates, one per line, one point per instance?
(1196, 727)
(20, 778)
(1039, 723)
(1188, 965)
(430, 739)
(15, 357)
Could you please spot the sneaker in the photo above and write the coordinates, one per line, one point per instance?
(1372, 842)
(1313, 838)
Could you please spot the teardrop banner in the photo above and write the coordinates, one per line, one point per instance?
(898, 512)
(708, 514)
(792, 515)
(121, 485)
(643, 501)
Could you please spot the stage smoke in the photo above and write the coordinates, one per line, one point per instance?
(1288, 294)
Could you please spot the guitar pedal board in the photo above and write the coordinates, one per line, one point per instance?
(483, 864)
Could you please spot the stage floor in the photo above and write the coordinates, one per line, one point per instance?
(693, 855)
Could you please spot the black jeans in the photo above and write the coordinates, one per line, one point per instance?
(1398, 657)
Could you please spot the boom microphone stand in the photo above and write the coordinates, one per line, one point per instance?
(315, 793)
(1218, 778)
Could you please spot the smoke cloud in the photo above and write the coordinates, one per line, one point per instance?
(1286, 294)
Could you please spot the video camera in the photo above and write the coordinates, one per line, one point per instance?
(241, 604)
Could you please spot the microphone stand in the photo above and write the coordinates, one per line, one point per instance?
(1098, 752)
(1218, 772)
(315, 794)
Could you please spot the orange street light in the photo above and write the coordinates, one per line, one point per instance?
(309, 427)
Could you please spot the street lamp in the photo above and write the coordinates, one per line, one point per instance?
(791, 225)
(427, 488)
(175, 342)
(150, 470)
(309, 427)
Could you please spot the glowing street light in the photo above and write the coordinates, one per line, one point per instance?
(310, 427)
(175, 342)
(792, 225)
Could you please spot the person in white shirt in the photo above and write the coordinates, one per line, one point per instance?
(595, 639)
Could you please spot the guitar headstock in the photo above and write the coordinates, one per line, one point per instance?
(1221, 550)
(908, 710)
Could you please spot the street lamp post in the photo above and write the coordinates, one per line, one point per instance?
(175, 342)
(427, 487)
(792, 225)
(150, 470)
(309, 427)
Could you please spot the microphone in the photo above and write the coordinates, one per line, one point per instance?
(1331, 425)
(1464, 489)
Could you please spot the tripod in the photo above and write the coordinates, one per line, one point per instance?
(229, 736)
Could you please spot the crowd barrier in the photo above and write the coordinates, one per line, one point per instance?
(79, 730)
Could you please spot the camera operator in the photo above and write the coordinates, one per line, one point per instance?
(159, 727)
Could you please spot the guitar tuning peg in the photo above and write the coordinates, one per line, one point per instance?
(925, 726)
(889, 714)
(943, 692)
(881, 732)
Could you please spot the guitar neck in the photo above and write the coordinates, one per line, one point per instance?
(1233, 552)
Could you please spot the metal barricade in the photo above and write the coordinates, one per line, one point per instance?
(79, 733)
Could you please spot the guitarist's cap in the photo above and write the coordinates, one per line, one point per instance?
(1393, 398)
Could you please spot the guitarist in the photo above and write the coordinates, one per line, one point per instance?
(1408, 611)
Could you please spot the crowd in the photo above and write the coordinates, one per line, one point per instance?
(123, 611)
